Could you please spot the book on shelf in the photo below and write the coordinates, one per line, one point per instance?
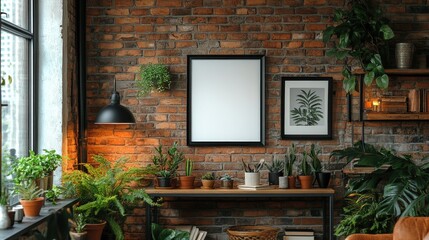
(258, 187)
(202, 235)
(194, 233)
(299, 232)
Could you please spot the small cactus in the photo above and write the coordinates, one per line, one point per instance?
(189, 167)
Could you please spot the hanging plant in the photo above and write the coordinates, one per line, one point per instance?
(362, 33)
(153, 77)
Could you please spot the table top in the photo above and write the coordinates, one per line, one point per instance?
(272, 192)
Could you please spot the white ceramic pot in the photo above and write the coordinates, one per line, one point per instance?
(4, 218)
(252, 179)
(283, 182)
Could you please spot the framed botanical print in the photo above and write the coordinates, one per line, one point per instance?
(306, 108)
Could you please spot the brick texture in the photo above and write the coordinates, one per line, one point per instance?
(121, 35)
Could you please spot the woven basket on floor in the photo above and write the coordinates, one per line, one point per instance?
(252, 233)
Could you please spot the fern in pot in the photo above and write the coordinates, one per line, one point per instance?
(153, 77)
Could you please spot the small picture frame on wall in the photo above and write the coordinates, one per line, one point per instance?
(306, 108)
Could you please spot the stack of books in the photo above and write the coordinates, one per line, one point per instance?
(297, 234)
(394, 104)
(194, 232)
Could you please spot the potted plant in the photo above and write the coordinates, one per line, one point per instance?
(362, 34)
(78, 224)
(322, 177)
(30, 197)
(167, 165)
(36, 167)
(106, 194)
(53, 194)
(275, 171)
(208, 181)
(397, 188)
(153, 77)
(290, 160)
(305, 176)
(187, 181)
(226, 182)
(5, 221)
(251, 173)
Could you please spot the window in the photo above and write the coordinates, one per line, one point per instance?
(17, 41)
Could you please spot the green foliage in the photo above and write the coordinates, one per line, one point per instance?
(309, 112)
(361, 216)
(290, 160)
(5, 76)
(314, 156)
(27, 190)
(159, 233)
(362, 33)
(35, 165)
(275, 167)
(225, 177)
(208, 176)
(53, 194)
(401, 185)
(305, 166)
(4, 197)
(248, 167)
(189, 166)
(167, 164)
(153, 77)
(105, 191)
(78, 222)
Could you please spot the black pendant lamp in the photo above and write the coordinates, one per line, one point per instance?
(115, 113)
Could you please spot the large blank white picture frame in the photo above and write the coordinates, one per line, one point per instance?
(226, 100)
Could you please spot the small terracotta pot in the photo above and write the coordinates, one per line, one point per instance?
(32, 207)
(186, 182)
(306, 181)
(291, 182)
(227, 184)
(208, 184)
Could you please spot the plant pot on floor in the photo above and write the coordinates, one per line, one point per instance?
(78, 236)
(186, 182)
(306, 181)
(94, 230)
(32, 207)
(323, 179)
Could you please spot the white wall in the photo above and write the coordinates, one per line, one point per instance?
(50, 121)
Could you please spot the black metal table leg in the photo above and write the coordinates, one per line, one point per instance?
(148, 221)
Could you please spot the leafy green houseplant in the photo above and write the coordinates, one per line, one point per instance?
(226, 182)
(362, 33)
(77, 229)
(30, 197)
(167, 164)
(399, 187)
(275, 171)
(159, 233)
(153, 77)
(105, 192)
(322, 177)
(208, 180)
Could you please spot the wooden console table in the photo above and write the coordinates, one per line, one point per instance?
(326, 193)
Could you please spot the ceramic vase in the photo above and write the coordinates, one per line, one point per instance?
(4, 217)
(283, 182)
(291, 181)
(252, 178)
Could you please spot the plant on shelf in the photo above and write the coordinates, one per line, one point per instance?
(5, 221)
(167, 164)
(53, 194)
(290, 160)
(159, 233)
(153, 77)
(226, 181)
(322, 177)
(187, 181)
(362, 33)
(36, 167)
(252, 173)
(105, 192)
(208, 180)
(30, 197)
(306, 173)
(253, 168)
(275, 171)
(399, 187)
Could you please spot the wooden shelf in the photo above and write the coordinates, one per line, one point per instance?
(379, 116)
(399, 71)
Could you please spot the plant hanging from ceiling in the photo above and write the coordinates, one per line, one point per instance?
(362, 33)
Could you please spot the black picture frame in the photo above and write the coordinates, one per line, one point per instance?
(298, 94)
(226, 100)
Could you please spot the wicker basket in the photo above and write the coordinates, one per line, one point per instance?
(252, 233)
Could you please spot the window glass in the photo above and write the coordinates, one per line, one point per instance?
(15, 94)
(16, 12)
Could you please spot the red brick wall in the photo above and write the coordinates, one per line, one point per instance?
(123, 34)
